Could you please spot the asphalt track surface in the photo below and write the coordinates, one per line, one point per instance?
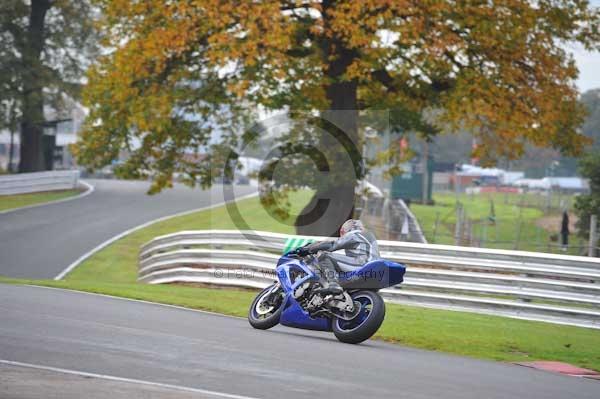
(141, 341)
(63, 344)
(40, 242)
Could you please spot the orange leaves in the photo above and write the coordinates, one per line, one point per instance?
(492, 67)
(250, 34)
(358, 22)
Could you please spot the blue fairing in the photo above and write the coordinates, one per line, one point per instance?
(372, 276)
(293, 315)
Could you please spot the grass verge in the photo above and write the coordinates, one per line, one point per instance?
(20, 200)
(112, 271)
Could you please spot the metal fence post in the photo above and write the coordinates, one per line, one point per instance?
(483, 232)
(519, 226)
(458, 226)
(470, 232)
(435, 226)
(593, 235)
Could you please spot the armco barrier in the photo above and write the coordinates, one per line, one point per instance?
(534, 286)
(21, 183)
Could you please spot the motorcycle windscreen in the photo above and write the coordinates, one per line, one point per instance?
(374, 275)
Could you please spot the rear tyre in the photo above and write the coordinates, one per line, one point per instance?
(266, 308)
(365, 323)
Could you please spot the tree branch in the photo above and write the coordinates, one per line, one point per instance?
(384, 77)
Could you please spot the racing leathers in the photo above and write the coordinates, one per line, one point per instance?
(360, 247)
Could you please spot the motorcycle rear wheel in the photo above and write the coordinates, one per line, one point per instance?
(261, 315)
(365, 323)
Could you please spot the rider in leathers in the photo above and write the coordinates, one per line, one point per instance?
(360, 247)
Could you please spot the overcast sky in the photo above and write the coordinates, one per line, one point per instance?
(588, 63)
(589, 69)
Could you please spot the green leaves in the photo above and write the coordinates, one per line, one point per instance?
(587, 205)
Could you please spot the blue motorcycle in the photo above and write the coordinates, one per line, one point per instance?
(298, 299)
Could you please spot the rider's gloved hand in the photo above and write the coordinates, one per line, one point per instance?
(302, 251)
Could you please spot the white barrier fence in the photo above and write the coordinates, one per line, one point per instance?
(22, 183)
(527, 285)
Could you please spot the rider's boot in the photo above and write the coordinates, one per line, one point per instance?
(328, 278)
(330, 288)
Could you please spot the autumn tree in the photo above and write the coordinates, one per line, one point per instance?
(588, 204)
(44, 47)
(494, 68)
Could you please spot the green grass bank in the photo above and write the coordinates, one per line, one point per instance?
(9, 202)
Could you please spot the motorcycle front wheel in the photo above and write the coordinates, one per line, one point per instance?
(366, 323)
(266, 308)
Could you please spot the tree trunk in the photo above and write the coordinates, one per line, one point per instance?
(31, 149)
(333, 202)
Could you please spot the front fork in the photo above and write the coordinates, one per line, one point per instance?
(271, 297)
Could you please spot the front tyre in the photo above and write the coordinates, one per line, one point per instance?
(266, 308)
(365, 323)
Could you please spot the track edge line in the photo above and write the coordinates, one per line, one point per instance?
(117, 237)
(123, 379)
(89, 189)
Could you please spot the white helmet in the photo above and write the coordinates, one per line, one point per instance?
(351, 225)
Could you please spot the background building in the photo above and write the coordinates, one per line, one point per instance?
(61, 129)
